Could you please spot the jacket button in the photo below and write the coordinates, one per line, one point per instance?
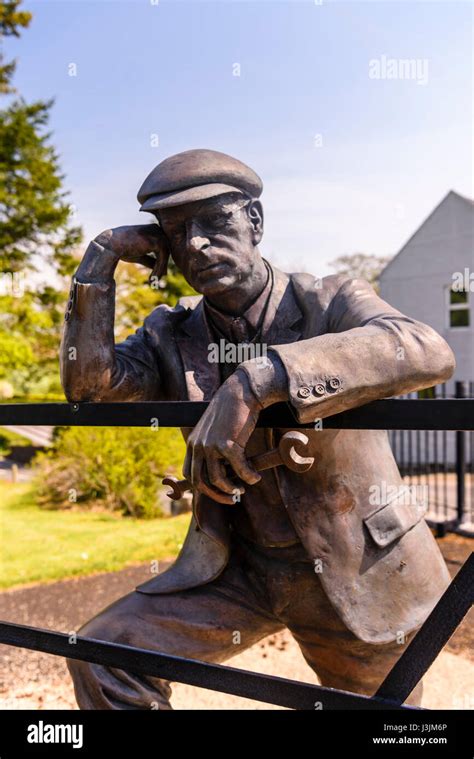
(334, 383)
(319, 389)
(304, 392)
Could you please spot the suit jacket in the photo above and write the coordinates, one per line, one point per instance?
(341, 346)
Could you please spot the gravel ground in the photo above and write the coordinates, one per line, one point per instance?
(33, 680)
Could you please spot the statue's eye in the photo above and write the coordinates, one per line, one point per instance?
(216, 220)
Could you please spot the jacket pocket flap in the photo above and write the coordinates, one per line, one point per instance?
(394, 519)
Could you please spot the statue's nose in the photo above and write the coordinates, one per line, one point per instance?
(196, 241)
(195, 244)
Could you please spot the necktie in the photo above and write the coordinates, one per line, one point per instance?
(239, 330)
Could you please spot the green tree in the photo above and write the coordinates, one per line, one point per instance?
(36, 233)
(35, 228)
(10, 19)
(29, 341)
(38, 240)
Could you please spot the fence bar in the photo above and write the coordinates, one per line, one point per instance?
(266, 688)
(461, 392)
(432, 636)
(387, 414)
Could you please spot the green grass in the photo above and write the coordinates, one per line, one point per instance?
(42, 546)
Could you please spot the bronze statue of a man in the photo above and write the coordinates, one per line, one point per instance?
(352, 579)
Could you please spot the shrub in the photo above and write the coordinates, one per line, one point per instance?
(7, 390)
(117, 468)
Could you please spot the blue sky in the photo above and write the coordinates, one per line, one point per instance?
(388, 151)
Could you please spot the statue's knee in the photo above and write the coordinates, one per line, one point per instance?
(86, 683)
(101, 687)
(87, 677)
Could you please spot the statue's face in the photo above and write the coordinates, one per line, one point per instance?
(213, 241)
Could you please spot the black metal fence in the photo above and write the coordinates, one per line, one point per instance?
(441, 464)
(442, 414)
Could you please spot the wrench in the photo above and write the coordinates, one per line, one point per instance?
(289, 453)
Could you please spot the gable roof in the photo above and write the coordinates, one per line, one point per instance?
(451, 193)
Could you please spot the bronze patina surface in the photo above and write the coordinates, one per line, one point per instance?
(352, 578)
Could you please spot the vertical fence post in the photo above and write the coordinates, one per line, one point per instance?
(461, 391)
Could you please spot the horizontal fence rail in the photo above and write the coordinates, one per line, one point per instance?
(389, 414)
(269, 689)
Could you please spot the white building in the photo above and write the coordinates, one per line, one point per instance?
(432, 278)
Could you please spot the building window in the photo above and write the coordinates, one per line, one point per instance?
(458, 309)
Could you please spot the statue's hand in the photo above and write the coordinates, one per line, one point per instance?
(220, 438)
(136, 243)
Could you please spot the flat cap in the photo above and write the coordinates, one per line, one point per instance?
(196, 175)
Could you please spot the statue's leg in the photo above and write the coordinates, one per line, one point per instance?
(211, 623)
(339, 658)
(345, 662)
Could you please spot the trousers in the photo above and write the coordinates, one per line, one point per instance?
(260, 592)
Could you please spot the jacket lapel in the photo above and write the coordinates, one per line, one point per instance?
(283, 320)
(193, 339)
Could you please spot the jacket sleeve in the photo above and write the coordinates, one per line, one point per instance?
(369, 350)
(92, 367)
